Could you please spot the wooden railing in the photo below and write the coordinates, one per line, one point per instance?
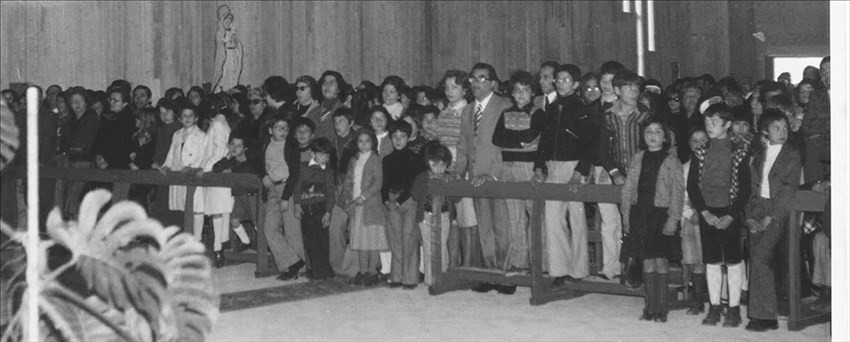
(457, 278)
(123, 179)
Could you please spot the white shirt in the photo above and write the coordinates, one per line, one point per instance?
(771, 153)
(380, 138)
(483, 103)
(313, 162)
(552, 97)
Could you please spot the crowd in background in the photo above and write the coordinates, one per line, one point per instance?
(705, 164)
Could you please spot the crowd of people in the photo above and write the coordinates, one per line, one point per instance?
(705, 164)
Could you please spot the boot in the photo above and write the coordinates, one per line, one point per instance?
(713, 316)
(732, 319)
(697, 305)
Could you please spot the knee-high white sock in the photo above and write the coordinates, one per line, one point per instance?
(745, 277)
(198, 222)
(218, 232)
(225, 223)
(386, 260)
(421, 260)
(714, 275)
(243, 236)
(736, 275)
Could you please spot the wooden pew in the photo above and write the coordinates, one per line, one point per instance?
(123, 179)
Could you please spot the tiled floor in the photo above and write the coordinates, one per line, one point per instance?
(393, 314)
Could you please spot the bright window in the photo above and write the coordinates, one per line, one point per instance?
(794, 66)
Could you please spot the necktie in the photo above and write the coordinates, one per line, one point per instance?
(478, 114)
(545, 102)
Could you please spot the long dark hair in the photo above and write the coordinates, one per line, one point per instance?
(668, 136)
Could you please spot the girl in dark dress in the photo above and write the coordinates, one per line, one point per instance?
(653, 197)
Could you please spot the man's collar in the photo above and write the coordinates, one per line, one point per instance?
(313, 162)
(484, 102)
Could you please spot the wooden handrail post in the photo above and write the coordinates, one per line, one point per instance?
(539, 286)
(189, 212)
(436, 238)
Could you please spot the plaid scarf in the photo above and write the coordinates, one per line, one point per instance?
(740, 150)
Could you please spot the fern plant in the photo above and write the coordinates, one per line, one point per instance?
(131, 279)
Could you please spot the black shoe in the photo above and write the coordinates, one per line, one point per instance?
(395, 284)
(713, 316)
(357, 280)
(760, 325)
(506, 289)
(646, 316)
(219, 259)
(484, 288)
(732, 319)
(243, 247)
(559, 281)
(409, 287)
(573, 279)
(660, 318)
(696, 308)
(371, 279)
(633, 285)
(288, 275)
(296, 267)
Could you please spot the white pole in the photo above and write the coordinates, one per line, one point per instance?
(639, 30)
(33, 286)
(627, 6)
(650, 24)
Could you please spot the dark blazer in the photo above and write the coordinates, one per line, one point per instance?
(783, 179)
(293, 161)
(483, 157)
(82, 137)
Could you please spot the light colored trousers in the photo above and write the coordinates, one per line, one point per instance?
(519, 212)
(404, 243)
(566, 245)
(425, 228)
(343, 260)
(283, 241)
(611, 228)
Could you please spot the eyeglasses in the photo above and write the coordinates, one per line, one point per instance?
(592, 88)
(114, 101)
(673, 98)
(256, 101)
(303, 88)
(284, 128)
(563, 80)
(479, 79)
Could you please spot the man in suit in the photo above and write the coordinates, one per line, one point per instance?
(484, 162)
(547, 85)
(815, 129)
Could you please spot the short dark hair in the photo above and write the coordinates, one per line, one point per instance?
(168, 104)
(428, 91)
(401, 126)
(491, 71)
(198, 90)
(824, 61)
(522, 77)
(145, 89)
(551, 64)
(125, 94)
(381, 109)
(572, 69)
(771, 86)
(668, 139)
(780, 102)
(303, 121)
(238, 135)
(611, 67)
(321, 145)
(395, 81)
(120, 83)
(75, 91)
(276, 87)
(433, 151)
(344, 112)
(720, 110)
(770, 116)
(171, 92)
(625, 77)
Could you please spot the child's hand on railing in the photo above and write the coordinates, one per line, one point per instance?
(164, 170)
(200, 173)
(267, 181)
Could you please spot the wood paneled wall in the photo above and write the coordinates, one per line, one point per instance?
(172, 43)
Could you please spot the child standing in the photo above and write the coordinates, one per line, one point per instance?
(775, 175)
(691, 244)
(187, 153)
(367, 216)
(652, 206)
(400, 168)
(281, 172)
(438, 158)
(219, 201)
(244, 207)
(719, 186)
(314, 198)
(380, 122)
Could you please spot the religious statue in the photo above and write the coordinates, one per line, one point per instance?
(228, 53)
